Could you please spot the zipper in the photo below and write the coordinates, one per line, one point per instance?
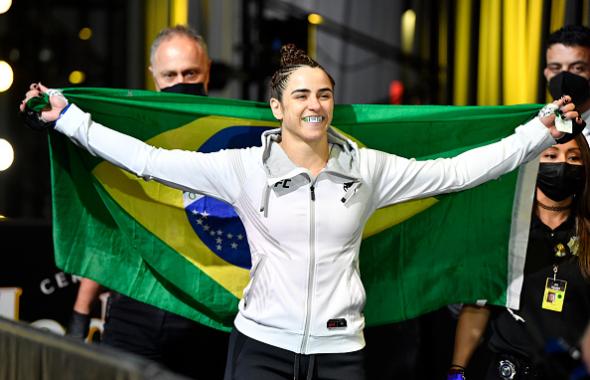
(310, 275)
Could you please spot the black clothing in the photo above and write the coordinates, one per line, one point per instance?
(544, 332)
(509, 365)
(555, 367)
(249, 359)
(181, 344)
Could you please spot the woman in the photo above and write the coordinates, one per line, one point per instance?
(304, 197)
(555, 298)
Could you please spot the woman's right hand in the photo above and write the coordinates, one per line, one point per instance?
(56, 100)
(567, 109)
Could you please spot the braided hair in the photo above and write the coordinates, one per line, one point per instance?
(292, 58)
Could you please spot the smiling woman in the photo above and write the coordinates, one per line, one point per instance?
(305, 113)
(304, 197)
(302, 98)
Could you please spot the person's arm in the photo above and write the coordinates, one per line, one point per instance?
(88, 292)
(218, 172)
(471, 327)
(400, 179)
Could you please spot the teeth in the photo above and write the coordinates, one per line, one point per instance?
(313, 119)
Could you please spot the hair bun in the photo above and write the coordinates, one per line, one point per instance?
(291, 59)
(291, 55)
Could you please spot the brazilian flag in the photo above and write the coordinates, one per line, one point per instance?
(188, 253)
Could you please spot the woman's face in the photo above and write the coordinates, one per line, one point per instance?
(568, 152)
(558, 182)
(307, 105)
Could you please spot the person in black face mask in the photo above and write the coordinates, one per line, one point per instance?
(568, 67)
(539, 341)
(559, 181)
(179, 63)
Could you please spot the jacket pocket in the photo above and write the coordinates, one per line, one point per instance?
(255, 275)
(357, 293)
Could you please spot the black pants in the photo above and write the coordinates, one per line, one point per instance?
(249, 359)
(180, 344)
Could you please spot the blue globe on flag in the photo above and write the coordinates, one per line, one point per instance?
(215, 222)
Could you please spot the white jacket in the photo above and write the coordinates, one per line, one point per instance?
(305, 293)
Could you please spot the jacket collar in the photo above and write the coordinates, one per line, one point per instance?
(343, 160)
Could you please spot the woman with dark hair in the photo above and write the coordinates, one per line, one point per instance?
(555, 297)
(304, 197)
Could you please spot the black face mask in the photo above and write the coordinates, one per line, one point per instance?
(560, 180)
(566, 83)
(187, 88)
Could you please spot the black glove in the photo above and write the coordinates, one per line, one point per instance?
(576, 130)
(79, 325)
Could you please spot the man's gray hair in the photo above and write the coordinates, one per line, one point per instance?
(178, 30)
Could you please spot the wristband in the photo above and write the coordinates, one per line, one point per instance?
(548, 110)
(456, 372)
(456, 376)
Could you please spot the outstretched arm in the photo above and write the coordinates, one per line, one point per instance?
(207, 173)
(400, 179)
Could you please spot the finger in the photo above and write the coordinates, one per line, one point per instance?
(23, 103)
(31, 94)
(42, 88)
(563, 100)
(571, 115)
(567, 107)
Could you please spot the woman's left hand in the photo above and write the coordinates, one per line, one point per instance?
(568, 110)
